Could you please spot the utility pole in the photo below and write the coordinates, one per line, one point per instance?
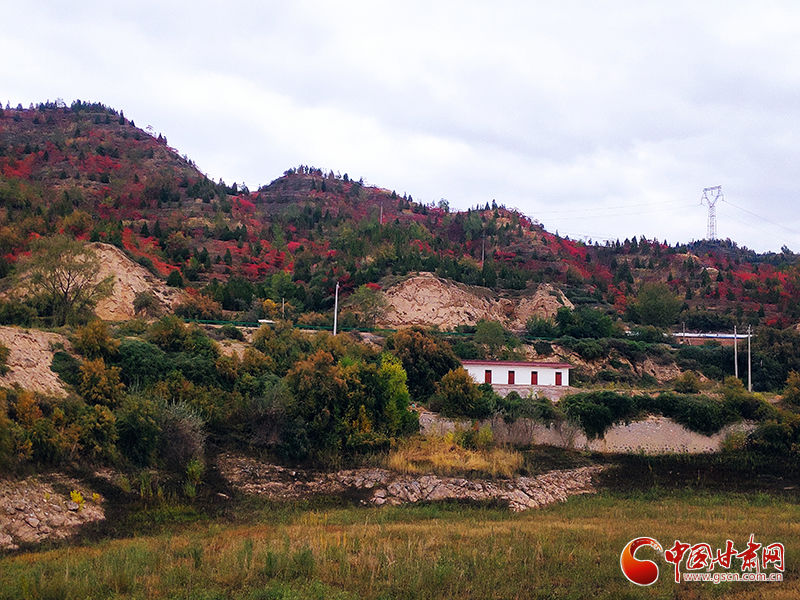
(749, 363)
(381, 213)
(735, 353)
(336, 308)
(716, 192)
(283, 308)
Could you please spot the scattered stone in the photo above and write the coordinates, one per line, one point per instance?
(32, 511)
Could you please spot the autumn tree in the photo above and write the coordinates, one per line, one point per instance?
(656, 305)
(425, 359)
(100, 384)
(94, 340)
(367, 304)
(62, 275)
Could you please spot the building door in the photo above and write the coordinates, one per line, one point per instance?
(511, 378)
(534, 377)
(558, 378)
(487, 376)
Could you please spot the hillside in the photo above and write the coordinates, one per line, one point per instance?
(87, 171)
(427, 300)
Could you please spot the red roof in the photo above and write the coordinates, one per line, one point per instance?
(513, 363)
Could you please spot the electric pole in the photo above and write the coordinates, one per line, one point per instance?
(749, 363)
(336, 308)
(735, 353)
(710, 197)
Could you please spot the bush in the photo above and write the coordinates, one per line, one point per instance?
(100, 385)
(232, 332)
(4, 352)
(791, 393)
(169, 334)
(595, 412)
(687, 383)
(94, 340)
(182, 436)
(538, 327)
(198, 306)
(139, 430)
(425, 359)
(589, 349)
(145, 303)
(543, 348)
(68, 368)
(175, 279)
(458, 396)
(141, 363)
(13, 312)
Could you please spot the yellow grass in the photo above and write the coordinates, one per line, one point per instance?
(443, 456)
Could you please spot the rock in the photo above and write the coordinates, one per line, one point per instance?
(73, 506)
(6, 541)
(32, 521)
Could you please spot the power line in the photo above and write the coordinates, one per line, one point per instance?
(757, 216)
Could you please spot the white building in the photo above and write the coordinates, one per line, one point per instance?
(521, 377)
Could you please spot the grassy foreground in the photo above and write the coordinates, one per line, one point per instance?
(434, 551)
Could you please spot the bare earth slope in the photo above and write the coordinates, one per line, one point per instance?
(130, 278)
(30, 358)
(426, 299)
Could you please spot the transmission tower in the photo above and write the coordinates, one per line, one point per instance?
(710, 197)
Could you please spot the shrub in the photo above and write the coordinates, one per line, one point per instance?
(145, 303)
(539, 327)
(775, 438)
(100, 385)
(543, 348)
(98, 432)
(595, 412)
(4, 352)
(199, 306)
(458, 396)
(139, 430)
(169, 334)
(175, 280)
(141, 363)
(182, 436)
(589, 349)
(746, 404)
(791, 393)
(232, 332)
(14, 312)
(94, 340)
(67, 366)
(425, 359)
(687, 383)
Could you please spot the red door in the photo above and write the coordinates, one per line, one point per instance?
(511, 378)
(558, 378)
(534, 377)
(487, 376)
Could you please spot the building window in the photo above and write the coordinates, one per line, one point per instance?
(487, 376)
(558, 378)
(511, 377)
(534, 377)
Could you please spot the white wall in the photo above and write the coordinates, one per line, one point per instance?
(522, 375)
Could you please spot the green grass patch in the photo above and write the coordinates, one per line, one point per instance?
(569, 550)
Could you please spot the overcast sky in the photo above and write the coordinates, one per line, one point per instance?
(599, 119)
